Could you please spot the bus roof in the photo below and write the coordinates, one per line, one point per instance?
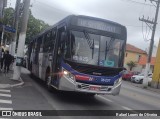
(97, 19)
(66, 19)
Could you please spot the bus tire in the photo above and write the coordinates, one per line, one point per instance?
(48, 81)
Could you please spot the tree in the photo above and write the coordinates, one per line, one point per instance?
(8, 16)
(131, 65)
(8, 21)
(35, 26)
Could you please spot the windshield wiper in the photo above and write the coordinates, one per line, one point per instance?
(106, 50)
(90, 43)
(108, 45)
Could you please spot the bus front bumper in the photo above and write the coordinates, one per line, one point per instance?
(67, 84)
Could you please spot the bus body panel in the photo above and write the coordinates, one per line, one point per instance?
(46, 64)
(68, 85)
(47, 61)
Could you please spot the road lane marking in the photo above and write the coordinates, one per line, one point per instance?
(105, 98)
(126, 108)
(3, 90)
(5, 95)
(1, 108)
(5, 118)
(6, 101)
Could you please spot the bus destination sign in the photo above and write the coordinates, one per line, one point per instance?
(99, 25)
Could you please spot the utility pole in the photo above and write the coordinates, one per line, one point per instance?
(3, 3)
(15, 25)
(1, 9)
(1, 18)
(22, 36)
(153, 23)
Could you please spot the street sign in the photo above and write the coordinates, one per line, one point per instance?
(9, 29)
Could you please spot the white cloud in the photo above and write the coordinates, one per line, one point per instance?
(121, 11)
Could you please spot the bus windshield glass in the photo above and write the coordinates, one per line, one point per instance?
(93, 49)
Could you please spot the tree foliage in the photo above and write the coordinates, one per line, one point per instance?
(34, 26)
(131, 65)
(8, 21)
(8, 16)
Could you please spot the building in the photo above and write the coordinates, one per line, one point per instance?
(142, 63)
(134, 54)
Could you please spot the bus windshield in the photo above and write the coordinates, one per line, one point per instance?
(95, 49)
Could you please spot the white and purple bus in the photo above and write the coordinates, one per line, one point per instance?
(81, 54)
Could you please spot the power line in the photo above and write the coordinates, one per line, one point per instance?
(154, 23)
(61, 10)
(137, 2)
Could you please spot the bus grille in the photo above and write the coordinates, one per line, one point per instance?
(87, 86)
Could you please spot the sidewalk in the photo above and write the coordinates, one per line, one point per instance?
(141, 86)
(7, 82)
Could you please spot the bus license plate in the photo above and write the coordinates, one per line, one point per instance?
(95, 88)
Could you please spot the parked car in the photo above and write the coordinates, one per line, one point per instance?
(139, 78)
(127, 75)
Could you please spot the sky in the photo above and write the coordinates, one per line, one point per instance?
(125, 12)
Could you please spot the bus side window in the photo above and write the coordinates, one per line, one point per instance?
(32, 51)
(37, 48)
(53, 39)
(64, 45)
(35, 52)
(60, 46)
(47, 42)
(33, 47)
(39, 44)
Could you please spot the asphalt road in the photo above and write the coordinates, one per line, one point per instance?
(34, 96)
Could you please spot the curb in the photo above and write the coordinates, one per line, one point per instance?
(149, 88)
(18, 84)
(14, 85)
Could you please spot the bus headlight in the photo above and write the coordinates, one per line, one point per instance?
(117, 81)
(68, 75)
